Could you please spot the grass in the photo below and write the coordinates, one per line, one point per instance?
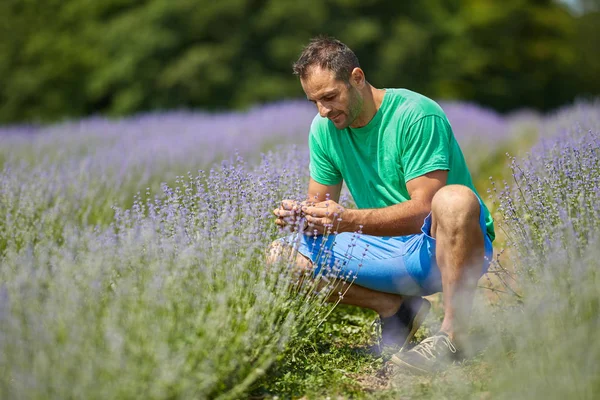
(344, 360)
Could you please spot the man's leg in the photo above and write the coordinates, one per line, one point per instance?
(459, 253)
(384, 304)
(400, 316)
(460, 250)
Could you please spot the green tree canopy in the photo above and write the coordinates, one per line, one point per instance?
(68, 58)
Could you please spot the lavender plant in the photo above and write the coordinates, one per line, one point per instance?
(547, 348)
(173, 300)
(551, 217)
(554, 197)
(161, 141)
(77, 171)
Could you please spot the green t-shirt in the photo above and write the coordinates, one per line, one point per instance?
(409, 136)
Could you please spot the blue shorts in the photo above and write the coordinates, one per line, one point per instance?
(403, 265)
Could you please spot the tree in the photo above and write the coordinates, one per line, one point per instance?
(68, 58)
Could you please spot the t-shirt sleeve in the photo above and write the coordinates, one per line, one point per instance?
(322, 169)
(426, 147)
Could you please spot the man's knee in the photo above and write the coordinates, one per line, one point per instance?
(280, 252)
(275, 253)
(455, 205)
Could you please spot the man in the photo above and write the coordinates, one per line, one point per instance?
(424, 227)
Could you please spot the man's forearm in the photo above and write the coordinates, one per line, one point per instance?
(400, 219)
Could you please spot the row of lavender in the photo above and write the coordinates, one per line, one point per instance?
(170, 297)
(172, 300)
(77, 171)
(550, 214)
(81, 169)
(163, 143)
(166, 298)
(99, 162)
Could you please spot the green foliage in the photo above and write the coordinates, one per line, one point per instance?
(79, 57)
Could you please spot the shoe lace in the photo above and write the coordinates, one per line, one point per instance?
(430, 349)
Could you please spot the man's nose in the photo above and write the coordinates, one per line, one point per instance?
(323, 111)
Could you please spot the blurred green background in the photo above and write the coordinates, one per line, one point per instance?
(69, 58)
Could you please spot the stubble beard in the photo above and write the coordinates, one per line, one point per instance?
(356, 103)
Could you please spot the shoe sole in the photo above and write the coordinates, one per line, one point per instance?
(408, 367)
(417, 322)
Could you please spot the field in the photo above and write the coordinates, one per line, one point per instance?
(132, 263)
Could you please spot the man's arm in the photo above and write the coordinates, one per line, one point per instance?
(400, 219)
(318, 192)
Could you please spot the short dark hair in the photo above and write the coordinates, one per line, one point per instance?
(327, 53)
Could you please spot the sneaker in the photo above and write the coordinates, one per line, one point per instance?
(401, 327)
(433, 354)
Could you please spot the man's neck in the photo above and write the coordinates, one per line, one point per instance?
(372, 99)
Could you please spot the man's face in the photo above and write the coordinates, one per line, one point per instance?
(337, 100)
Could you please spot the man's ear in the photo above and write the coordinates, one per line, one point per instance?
(357, 78)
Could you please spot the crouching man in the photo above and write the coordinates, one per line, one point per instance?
(424, 227)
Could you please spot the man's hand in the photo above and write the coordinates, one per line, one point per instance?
(326, 217)
(289, 213)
